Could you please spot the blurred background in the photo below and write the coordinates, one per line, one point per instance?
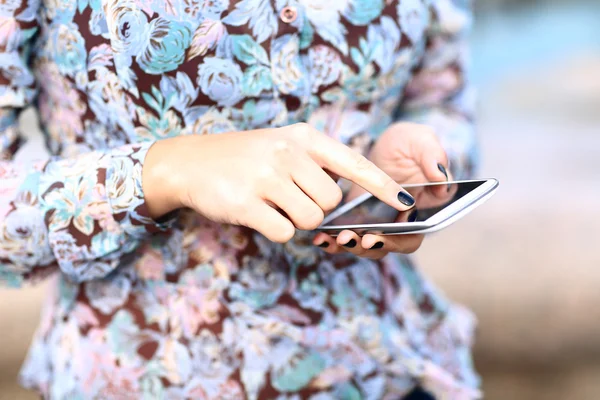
(528, 262)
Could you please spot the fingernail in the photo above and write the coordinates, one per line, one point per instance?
(443, 171)
(413, 216)
(351, 243)
(377, 245)
(406, 199)
(324, 245)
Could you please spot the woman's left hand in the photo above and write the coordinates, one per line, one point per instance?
(409, 153)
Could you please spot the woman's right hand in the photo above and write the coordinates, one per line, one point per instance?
(245, 178)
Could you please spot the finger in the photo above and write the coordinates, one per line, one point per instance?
(333, 176)
(327, 243)
(353, 166)
(350, 242)
(451, 189)
(304, 213)
(434, 165)
(316, 183)
(373, 251)
(441, 192)
(408, 216)
(405, 244)
(375, 254)
(270, 223)
(434, 162)
(432, 157)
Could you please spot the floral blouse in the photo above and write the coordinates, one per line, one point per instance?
(187, 308)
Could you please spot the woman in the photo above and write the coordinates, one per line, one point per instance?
(180, 272)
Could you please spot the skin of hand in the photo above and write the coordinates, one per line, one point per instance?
(272, 180)
(409, 154)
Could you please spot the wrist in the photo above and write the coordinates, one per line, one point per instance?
(162, 192)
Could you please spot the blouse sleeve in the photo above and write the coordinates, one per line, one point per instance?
(440, 94)
(79, 215)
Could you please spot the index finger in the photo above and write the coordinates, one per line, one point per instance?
(347, 163)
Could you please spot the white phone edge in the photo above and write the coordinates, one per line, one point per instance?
(455, 217)
(456, 210)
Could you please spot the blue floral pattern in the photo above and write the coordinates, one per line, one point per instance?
(189, 308)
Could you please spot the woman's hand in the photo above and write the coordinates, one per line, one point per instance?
(408, 153)
(271, 180)
(411, 153)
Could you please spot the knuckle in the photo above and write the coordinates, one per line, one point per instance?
(283, 232)
(277, 230)
(333, 199)
(301, 132)
(265, 173)
(361, 162)
(233, 202)
(244, 215)
(239, 204)
(310, 218)
(425, 130)
(389, 184)
(271, 189)
(268, 182)
(282, 148)
(301, 129)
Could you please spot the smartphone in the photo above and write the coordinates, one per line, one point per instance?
(437, 206)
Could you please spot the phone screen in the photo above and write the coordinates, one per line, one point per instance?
(430, 199)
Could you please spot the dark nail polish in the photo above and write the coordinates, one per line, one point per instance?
(412, 217)
(406, 199)
(324, 245)
(351, 243)
(443, 171)
(377, 245)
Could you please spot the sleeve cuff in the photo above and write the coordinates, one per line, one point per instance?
(95, 210)
(126, 196)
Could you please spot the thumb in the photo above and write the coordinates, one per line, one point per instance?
(435, 165)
